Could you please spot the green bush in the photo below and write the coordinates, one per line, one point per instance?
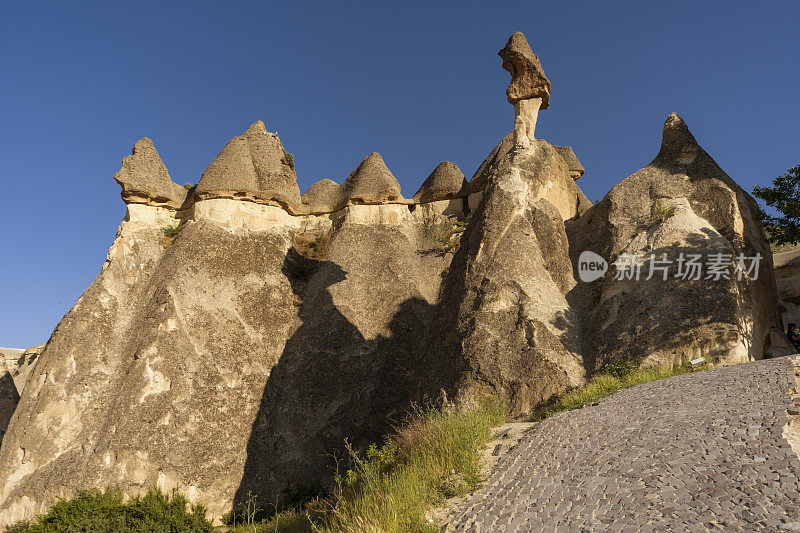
(171, 231)
(106, 512)
(288, 158)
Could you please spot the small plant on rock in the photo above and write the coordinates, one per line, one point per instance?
(452, 239)
(659, 213)
(288, 160)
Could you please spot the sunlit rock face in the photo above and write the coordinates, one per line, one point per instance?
(681, 203)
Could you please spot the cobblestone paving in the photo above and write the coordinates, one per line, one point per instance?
(697, 452)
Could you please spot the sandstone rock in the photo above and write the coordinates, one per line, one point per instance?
(9, 396)
(787, 274)
(575, 168)
(253, 166)
(490, 165)
(504, 324)
(372, 183)
(325, 196)
(349, 368)
(527, 76)
(145, 180)
(549, 174)
(446, 181)
(175, 359)
(682, 202)
(156, 375)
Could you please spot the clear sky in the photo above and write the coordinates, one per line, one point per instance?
(419, 82)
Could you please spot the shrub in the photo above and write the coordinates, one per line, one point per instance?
(106, 512)
(659, 213)
(171, 231)
(288, 159)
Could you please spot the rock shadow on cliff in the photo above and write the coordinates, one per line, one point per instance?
(330, 384)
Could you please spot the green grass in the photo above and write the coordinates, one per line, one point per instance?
(608, 383)
(433, 456)
(106, 512)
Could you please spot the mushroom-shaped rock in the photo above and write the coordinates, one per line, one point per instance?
(145, 180)
(372, 183)
(568, 155)
(253, 166)
(527, 76)
(325, 196)
(529, 90)
(445, 182)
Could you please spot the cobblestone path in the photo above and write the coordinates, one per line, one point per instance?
(697, 452)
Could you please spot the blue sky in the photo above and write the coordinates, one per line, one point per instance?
(419, 82)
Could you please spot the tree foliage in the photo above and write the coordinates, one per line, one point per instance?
(784, 197)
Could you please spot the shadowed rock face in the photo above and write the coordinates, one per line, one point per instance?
(371, 183)
(446, 181)
(253, 166)
(145, 180)
(527, 76)
(682, 202)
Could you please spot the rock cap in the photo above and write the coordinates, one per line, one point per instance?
(527, 75)
(145, 180)
(325, 196)
(253, 166)
(372, 183)
(446, 181)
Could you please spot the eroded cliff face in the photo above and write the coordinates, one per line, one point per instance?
(240, 331)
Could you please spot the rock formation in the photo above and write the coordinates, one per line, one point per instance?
(787, 273)
(446, 181)
(239, 332)
(371, 183)
(575, 168)
(325, 196)
(145, 180)
(529, 90)
(254, 166)
(681, 203)
(504, 325)
(14, 367)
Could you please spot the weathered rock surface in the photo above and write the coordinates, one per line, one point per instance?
(325, 196)
(175, 360)
(504, 324)
(348, 369)
(371, 183)
(527, 75)
(682, 202)
(576, 170)
(9, 395)
(787, 277)
(446, 181)
(145, 180)
(253, 166)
